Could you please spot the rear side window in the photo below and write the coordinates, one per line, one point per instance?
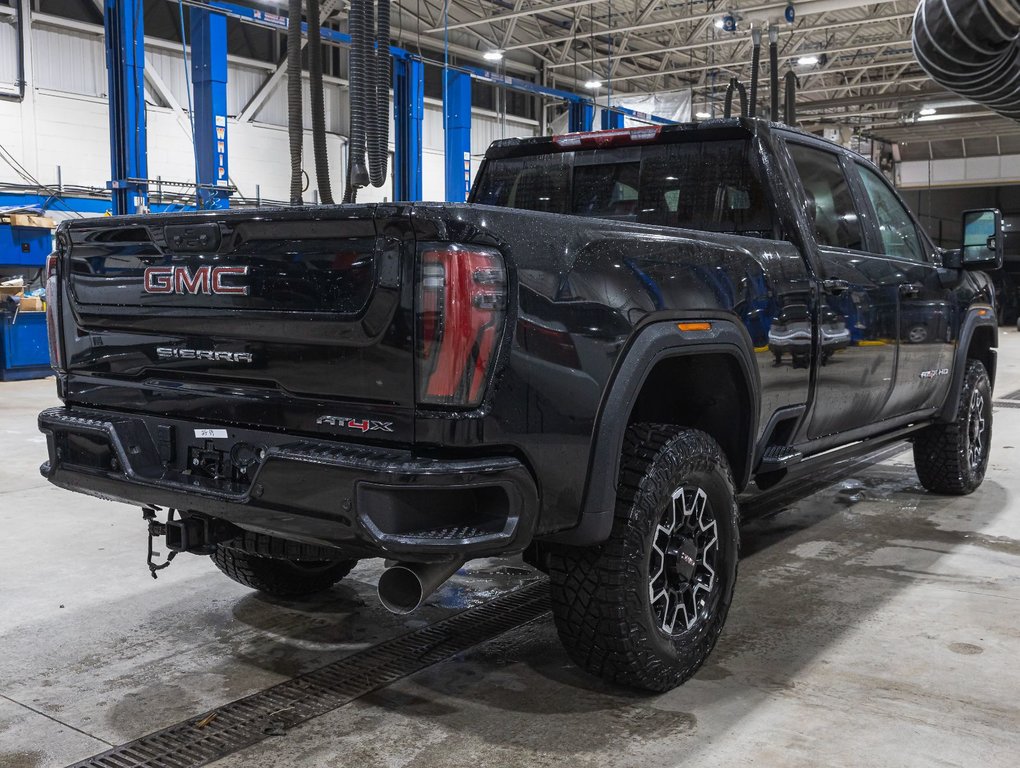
(534, 183)
(829, 199)
(707, 185)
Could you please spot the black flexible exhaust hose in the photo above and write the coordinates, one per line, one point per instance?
(295, 123)
(790, 111)
(318, 108)
(755, 62)
(728, 104)
(971, 48)
(742, 93)
(357, 173)
(379, 119)
(773, 79)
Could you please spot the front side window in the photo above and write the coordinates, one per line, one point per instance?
(896, 228)
(830, 202)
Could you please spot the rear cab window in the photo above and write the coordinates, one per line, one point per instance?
(708, 185)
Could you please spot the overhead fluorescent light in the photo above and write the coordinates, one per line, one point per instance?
(593, 84)
(703, 115)
(719, 23)
(492, 55)
(927, 111)
(807, 61)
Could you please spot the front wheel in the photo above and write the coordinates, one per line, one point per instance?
(952, 458)
(646, 607)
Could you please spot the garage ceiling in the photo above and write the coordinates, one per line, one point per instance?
(866, 73)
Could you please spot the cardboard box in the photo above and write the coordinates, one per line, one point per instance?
(11, 290)
(33, 222)
(32, 304)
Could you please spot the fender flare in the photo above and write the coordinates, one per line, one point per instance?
(654, 343)
(977, 316)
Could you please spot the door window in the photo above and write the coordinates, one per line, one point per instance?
(895, 226)
(829, 198)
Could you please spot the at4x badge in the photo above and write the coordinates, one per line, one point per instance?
(362, 425)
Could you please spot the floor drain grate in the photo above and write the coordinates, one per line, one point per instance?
(239, 724)
(1011, 396)
(1006, 404)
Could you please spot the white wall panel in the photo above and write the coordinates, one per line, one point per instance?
(959, 172)
(69, 61)
(8, 51)
(74, 133)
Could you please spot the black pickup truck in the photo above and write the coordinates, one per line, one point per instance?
(620, 332)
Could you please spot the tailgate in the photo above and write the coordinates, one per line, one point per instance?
(262, 317)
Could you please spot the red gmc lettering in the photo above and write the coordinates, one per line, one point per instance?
(196, 283)
(219, 273)
(204, 279)
(158, 279)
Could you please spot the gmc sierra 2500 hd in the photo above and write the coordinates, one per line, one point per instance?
(620, 332)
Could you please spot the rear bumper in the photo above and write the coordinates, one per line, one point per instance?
(367, 501)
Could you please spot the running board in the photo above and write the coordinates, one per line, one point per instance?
(853, 450)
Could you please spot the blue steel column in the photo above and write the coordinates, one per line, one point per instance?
(611, 120)
(581, 116)
(457, 125)
(408, 115)
(125, 65)
(209, 78)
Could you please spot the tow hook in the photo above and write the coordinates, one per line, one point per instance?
(196, 534)
(155, 530)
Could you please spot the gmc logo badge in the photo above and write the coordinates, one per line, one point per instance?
(204, 279)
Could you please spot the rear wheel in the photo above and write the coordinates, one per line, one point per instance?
(952, 458)
(279, 567)
(645, 608)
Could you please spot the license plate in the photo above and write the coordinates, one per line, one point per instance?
(211, 434)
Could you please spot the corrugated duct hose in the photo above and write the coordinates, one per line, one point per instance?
(971, 47)
(755, 63)
(318, 107)
(357, 173)
(790, 111)
(370, 96)
(735, 85)
(295, 127)
(379, 117)
(774, 74)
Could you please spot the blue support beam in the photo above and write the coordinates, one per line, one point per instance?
(209, 79)
(581, 116)
(457, 127)
(125, 65)
(408, 117)
(611, 120)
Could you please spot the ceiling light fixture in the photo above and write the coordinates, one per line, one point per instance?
(807, 61)
(495, 55)
(927, 111)
(703, 115)
(591, 85)
(719, 23)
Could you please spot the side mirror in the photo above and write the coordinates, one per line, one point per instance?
(982, 239)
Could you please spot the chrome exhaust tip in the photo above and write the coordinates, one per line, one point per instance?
(405, 586)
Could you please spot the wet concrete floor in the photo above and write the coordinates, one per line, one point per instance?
(874, 625)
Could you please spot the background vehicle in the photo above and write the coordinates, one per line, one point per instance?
(576, 364)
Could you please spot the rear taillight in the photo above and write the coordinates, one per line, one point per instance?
(52, 307)
(460, 311)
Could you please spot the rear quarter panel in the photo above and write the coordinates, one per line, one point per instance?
(584, 289)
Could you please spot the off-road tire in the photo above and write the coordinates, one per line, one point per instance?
(279, 567)
(601, 595)
(942, 452)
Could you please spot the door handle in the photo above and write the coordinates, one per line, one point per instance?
(835, 287)
(910, 290)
